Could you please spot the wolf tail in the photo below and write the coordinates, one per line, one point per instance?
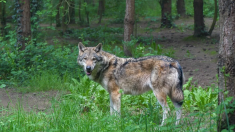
(177, 93)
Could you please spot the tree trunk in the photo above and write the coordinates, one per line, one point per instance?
(129, 22)
(215, 18)
(24, 25)
(87, 12)
(166, 20)
(3, 19)
(65, 17)
(72, 12)
(226, 62)
(58, 24)
(180, 5)
(101, 9)
(199, 26)
(79, 12)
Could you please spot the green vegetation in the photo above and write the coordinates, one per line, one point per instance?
(86, 108)
(49, 63)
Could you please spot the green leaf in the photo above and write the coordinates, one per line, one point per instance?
(2, 85)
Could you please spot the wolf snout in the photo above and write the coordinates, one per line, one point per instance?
(88, 70)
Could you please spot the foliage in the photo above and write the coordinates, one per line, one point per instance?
(35, 59)
(102, 34)
(208, 8)
(86, 108)
(198, 98)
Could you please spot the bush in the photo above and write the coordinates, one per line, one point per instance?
(19, 66)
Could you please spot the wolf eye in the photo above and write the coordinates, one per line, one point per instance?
(93, 59)
(85, 58)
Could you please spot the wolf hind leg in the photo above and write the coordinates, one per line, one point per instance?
(177, 98)
(161, 97)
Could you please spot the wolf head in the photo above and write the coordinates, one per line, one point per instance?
(90, 58)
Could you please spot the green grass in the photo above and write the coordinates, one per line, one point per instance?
(45, 81)
(213, 52)
(86, 108)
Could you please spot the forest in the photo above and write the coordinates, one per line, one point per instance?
(42, 87)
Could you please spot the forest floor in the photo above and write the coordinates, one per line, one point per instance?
(197, 56)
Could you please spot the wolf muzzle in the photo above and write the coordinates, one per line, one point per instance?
(88, 70)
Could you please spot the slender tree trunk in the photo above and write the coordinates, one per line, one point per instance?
(58, 24)
(180, 5)
(51, 17)
(24, 26)
(166, 20)
(3, 19)
(215, 18)
(101, 9)
(72, 12)
(87, 12)
(79, 12)
(129, 22)
(226, 62)
(65, 17)
(199, 26)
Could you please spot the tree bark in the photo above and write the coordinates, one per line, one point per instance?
(180, 5)
(101, 9)
(24, 25)
(226, 62)
(72, 12)
(58, 24)
(199, 26)
(166, 20)
(129, 22)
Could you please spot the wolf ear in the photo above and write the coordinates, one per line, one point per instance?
(81, 47)
(98, 48)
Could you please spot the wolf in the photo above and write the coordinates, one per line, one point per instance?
(161, 74)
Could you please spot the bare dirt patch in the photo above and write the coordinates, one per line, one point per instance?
(35, 101)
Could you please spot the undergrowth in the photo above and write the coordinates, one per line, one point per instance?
(86, 108)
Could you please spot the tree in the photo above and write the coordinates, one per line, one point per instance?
(101, 9)
(23, 20)
(215, 18)
(199, 26)
(180, 5)
(226, 62)
(129, 22)
(65, 16)
(3, 18)
(88, 2)
(58, 24)
(79, 12)
(166, 20)
(72, 12)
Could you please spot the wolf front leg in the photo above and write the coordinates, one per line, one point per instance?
(115, 102)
